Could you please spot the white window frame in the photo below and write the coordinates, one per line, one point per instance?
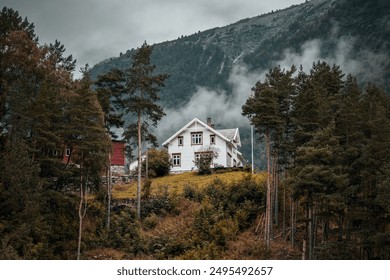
(196, 138)
(176, 159)
(180, 140)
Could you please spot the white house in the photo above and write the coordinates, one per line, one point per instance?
(196, 138)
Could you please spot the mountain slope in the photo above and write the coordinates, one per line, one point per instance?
(221, 65)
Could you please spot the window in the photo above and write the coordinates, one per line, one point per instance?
(212, 139)
(180, 140)
(203, 155)
(176, 159)
(196, 138)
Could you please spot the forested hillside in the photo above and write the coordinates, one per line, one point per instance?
(206, 59)
(221, 65)
(327, 145)
(53, 144)
(325, 190)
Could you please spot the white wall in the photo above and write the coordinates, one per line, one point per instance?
(188, 150)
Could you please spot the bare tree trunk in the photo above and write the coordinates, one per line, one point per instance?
(147, 163)
(340, 231)
(82, 213)
(276, 188)
(139, 167)
(284, 207)
(310, 233)
(109, 180)
(267, 234)
(315, 224)
(293, 221)
(306, 235)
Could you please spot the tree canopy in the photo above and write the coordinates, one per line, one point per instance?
(334, 140)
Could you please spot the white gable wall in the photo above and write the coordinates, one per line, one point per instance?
(187, 150)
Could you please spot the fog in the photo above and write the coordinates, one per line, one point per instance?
(225, 108)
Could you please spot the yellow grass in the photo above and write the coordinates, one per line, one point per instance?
(176, 182)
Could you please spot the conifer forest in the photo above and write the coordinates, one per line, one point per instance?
(324, 192)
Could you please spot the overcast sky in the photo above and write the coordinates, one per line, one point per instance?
(93, 30)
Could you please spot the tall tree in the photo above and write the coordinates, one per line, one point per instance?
(108, 88)
(140, 100)
(367, 214)
(31, 89)
(88, 142)
(269, 109)
(318, 182)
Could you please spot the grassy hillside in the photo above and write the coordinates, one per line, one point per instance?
(175, 183)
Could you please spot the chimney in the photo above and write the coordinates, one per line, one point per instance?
(209, 123)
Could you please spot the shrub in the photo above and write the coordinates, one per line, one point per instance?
(226, 209)
(125, 232)
(150, 221)
(204, 161)
(158, 163)
(191, 193)
(146, 188)
(160, 204)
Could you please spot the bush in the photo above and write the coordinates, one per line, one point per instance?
(191, 193)
(150, 221)
(158, 163)
(125, 232)
(161, 204)
(226, 210)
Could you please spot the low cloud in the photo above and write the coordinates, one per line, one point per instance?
(366, 65)
(224, 109)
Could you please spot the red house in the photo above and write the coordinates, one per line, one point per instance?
(118, 153)
(117, 156)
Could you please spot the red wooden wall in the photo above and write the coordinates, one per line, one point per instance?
(118, 153)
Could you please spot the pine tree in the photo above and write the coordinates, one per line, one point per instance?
(140, 97)
(108, 89)
(368, 215)
(318, 182)
(89, 143)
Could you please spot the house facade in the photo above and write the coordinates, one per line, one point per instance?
(196, 139)
(117, 157)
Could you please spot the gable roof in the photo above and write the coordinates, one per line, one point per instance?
(232, 134)
(221, 133)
